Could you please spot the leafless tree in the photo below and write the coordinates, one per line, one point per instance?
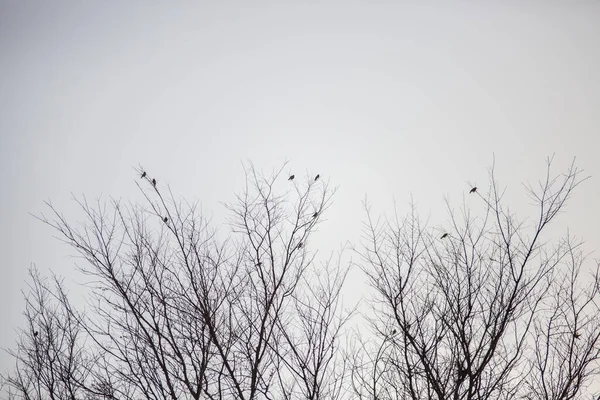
(179, 310)
(51, 359)
(494, 310)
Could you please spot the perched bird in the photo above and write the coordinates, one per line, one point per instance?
(291, 178)
(165, 219)
(444, 236)
(394, 332)
(143, 174)
(473, 190)
(462, 372)
(35, 333)
(153, 181)
(576, 334)
(317, 177)
(315, 215)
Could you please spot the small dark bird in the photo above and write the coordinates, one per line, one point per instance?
(317, 177)
(473, 190)
(165, 219)
(462, 372)
(143, 174)
(315, 215)
(35, 333)
(444, 236)
(153, 181)
(394, 332)
(576, 334)
(299, 245)
(291, 178)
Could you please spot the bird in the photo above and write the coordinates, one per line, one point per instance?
(165, 219)
(317, 177)
(143, 174)
(35, 333)
(316, 214)
(153, 182)
(444, 236)
(299, 245)
(576, 334)
(291, 178)
(473, 190)
(462, 372)
(394, 332)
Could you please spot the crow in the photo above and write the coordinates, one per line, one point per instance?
(315, 215)
(291, 178)
(317, 177)
(444, 236)
(143, 174)
(165, 219)
(473, 190)
(153, 182)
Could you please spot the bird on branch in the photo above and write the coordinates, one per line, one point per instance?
(315, 215)
(291, 178)
(576, 334)
(165, 219)
(143, 174)
(35, 333)
(473, 190)
(444, 236)
(153, 182)
(317, 177)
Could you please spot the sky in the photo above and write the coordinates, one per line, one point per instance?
(389, 100)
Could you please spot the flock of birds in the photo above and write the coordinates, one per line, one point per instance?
(291, 178)
(576, 334)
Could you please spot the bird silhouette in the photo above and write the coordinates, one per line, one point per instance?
(444, 236)
(317, 177)
(153, 182)
(35, 333)
(143, 174)
(165, 219)
(291, 178)
(576, 334)
(473, 190)
(315, 215)
(394, 332)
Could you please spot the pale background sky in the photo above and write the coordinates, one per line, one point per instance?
(389, 99)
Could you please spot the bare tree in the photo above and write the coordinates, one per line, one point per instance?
(486, 308)
(51, 359)
(178, 310)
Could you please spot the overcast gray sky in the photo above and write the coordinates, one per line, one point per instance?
(390, 99)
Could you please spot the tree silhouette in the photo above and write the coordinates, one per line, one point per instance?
(175, 312)
(492, 314)
(181, 310)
